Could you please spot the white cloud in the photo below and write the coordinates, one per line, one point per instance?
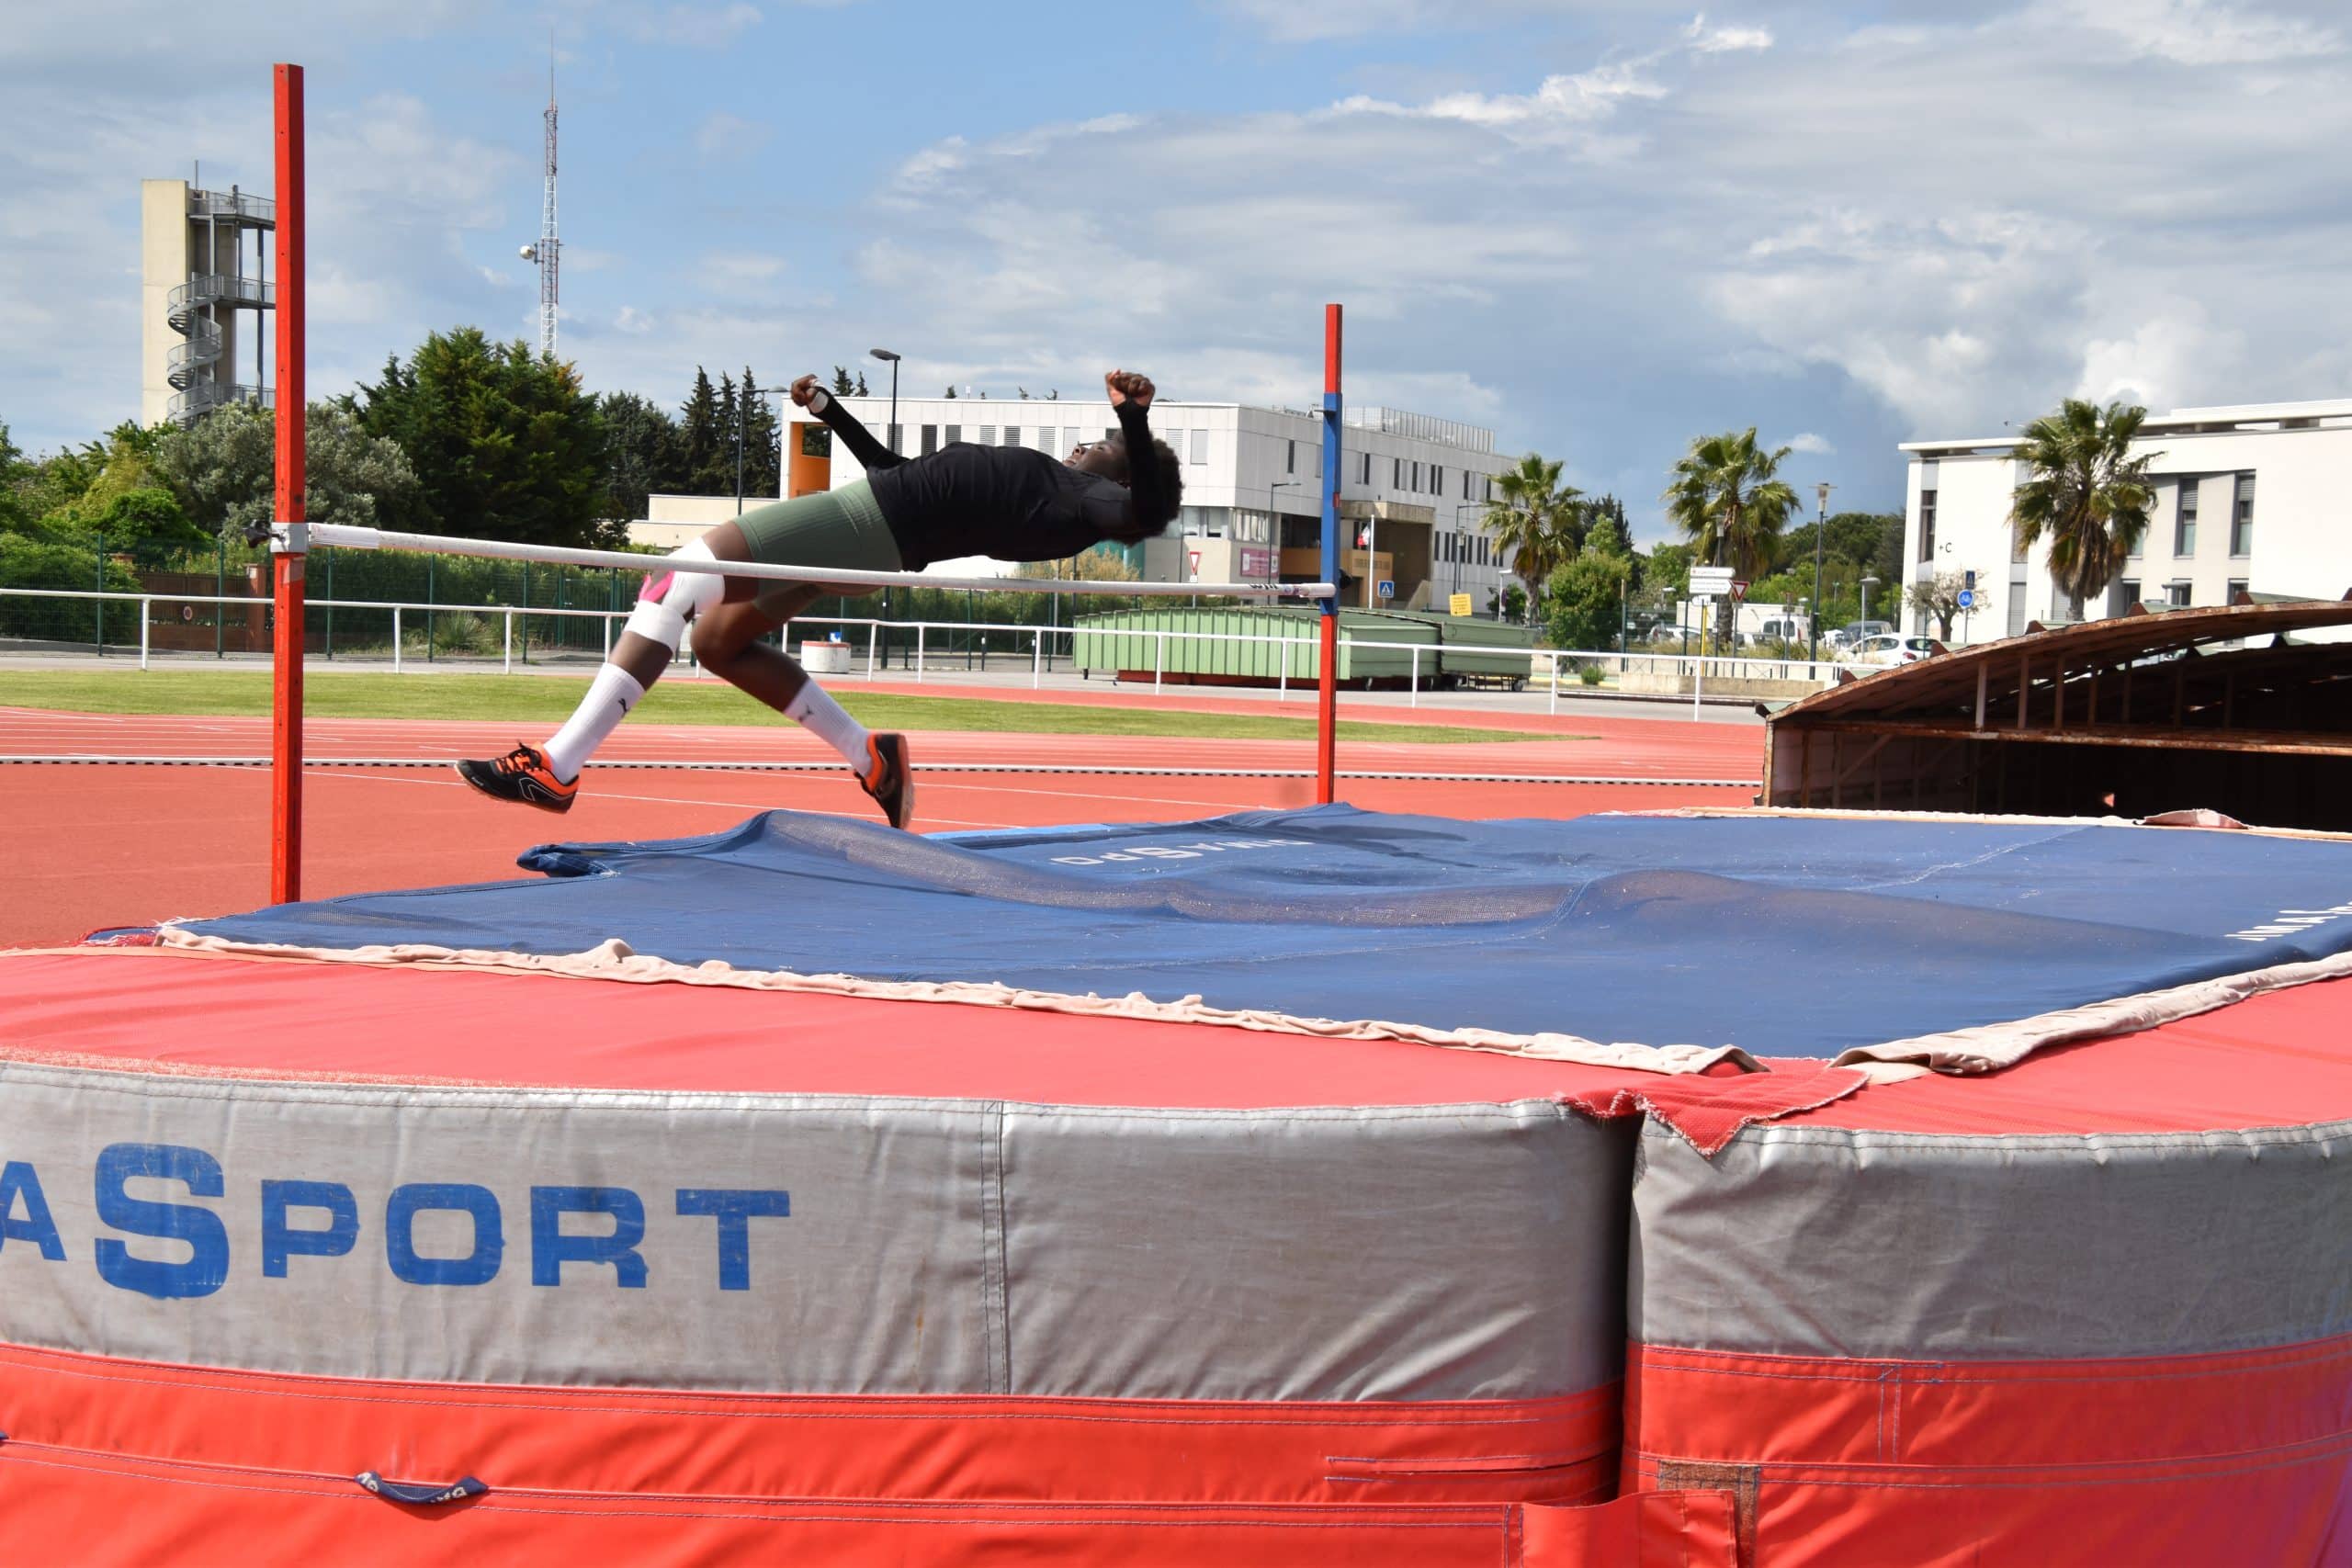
(2201, 32)
(729, 270)
(1808, 442)
(693, 26)
(731, 136)
(1704, 40)
(1295, 21)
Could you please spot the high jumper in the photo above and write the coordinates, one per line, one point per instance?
(1009, 502)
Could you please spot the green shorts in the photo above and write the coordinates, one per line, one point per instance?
(828, 528)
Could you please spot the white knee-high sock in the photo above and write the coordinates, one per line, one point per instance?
(610, 697)
(826, 720)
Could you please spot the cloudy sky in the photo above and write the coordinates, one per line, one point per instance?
(1601, 228)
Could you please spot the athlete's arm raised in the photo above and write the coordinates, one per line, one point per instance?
(1131, 396)
(843, 424)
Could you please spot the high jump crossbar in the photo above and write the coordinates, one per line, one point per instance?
(351, 538)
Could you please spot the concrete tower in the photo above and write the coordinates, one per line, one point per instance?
(198, 278)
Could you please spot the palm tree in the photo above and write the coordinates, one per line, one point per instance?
(2088, 492)
(1535, 521)
(1729, 501)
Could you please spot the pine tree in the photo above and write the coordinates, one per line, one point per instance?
(503, 441)
(760, 434)
(718, 478)
(951, 391)
(842, 387)
(698, 435)
(860, 384)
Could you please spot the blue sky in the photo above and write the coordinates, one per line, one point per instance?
(1602, 229)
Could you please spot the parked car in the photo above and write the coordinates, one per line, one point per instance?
(1853, 632)
(1888, 649)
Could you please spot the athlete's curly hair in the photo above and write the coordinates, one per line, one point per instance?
(1172, 486)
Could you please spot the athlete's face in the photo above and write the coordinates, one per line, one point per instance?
(1106, 458)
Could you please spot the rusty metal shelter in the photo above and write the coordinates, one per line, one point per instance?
(2231, 708)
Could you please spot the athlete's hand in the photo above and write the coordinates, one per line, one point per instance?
(1125, 384)
(805, 391)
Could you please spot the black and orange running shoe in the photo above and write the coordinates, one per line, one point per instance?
(889, 778)
(523, 775)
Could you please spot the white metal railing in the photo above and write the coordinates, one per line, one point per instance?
(1549, 669)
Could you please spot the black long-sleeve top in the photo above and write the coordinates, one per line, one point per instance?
(1009, 502)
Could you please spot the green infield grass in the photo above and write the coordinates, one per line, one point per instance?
(541, 699)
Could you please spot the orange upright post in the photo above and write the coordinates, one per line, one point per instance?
(1327, 715)
(288, 545)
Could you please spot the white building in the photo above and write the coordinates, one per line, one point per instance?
(2256, 497)
(1412, 486)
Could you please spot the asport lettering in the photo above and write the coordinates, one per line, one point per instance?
(166, 1235)
(1180, 851)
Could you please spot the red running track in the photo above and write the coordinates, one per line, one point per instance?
(89, 847)
(1598, 747)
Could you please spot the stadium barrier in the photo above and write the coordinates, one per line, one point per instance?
(390, 630)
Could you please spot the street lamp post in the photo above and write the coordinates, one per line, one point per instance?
(1458, 510)
(1868, 583)
(1274, 528)
(892, 360)
(1820, 531)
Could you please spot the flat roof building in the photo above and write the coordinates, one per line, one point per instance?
(1412, 487)
(2250, 497)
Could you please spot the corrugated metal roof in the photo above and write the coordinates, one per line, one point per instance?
(2124, 639)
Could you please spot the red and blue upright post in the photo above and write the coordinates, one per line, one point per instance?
(1327, 688)
(287, 542)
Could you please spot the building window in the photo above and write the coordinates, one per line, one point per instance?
(1290, 458)
(1367, 469)
(1396, 473)
(898, 442)
(2017, 544)
(2238, 586)
(1012, 435)
(1437, 479)
(2242, 518)
(952, 433)
(1109, 434)
(930, 439)
(2127, 593)
(2184, 525)
(1070, 439)
(988, 435)
(2177, 596)
(1927, 524)
(1200, 448)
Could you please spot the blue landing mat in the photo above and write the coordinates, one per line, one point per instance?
(1784, 936)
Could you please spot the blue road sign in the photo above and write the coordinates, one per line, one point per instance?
(1968, 598)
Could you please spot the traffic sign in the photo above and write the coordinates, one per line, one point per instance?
(1388, 588)
(1738, 588)
(1968, 598)
(1706, 579)
(1457, 605)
